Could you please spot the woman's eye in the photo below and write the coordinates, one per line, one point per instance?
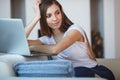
(58, 12)
(48, 16)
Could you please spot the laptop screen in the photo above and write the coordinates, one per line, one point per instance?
(12, 37)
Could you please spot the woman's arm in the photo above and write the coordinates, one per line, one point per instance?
(63, 44)
(34, 42)
(32, 24)
(72, 37)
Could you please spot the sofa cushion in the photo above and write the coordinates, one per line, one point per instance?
(51, 68)
(113, 65)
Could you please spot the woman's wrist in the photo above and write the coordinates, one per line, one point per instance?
(37, 18)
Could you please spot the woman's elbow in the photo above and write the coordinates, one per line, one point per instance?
(55, 51)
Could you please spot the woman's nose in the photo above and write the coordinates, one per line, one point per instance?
(54, 17)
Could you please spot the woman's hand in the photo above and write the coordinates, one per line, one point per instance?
(37, 8)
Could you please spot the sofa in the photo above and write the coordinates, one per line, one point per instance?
(7, 72)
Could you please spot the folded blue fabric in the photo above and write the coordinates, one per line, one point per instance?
(50, 68)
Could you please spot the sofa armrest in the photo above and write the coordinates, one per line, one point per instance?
(6, 70)
(11, 59)
(6, 63)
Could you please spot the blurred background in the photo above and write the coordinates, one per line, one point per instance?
(99, 18)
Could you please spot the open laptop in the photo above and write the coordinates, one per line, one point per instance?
(12, 37)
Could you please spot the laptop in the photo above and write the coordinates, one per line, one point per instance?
(12, 37)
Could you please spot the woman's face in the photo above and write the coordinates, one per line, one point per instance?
(54, 17)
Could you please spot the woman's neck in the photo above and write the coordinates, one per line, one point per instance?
(58, 35)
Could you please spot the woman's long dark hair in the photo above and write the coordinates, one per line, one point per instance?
(45, 29)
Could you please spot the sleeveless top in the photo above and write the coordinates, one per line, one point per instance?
(77, 53)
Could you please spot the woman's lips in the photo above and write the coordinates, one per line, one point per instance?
(56, 24)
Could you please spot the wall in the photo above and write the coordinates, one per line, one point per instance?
(100, 17)
(5, 11)
(109, 29)
(117, 28)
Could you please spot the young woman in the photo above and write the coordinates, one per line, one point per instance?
(65, 39)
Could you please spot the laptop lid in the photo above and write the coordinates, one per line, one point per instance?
(12, 37)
